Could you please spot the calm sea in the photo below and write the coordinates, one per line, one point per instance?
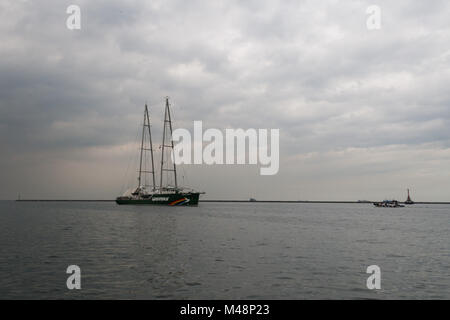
(223, 251)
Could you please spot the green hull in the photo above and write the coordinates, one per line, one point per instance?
(172, 199)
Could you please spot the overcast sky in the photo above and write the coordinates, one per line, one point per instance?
(363, 114)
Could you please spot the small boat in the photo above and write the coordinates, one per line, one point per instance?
(168, 192)
(388, 204)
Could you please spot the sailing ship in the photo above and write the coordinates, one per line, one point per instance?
(408, 200)
(168, 192)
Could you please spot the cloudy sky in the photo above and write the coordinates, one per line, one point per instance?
(363, 114)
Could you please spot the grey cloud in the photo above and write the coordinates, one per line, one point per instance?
(311, 69)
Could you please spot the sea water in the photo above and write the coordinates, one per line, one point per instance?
(223, 251)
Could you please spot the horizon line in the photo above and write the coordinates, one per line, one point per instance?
(231, 200)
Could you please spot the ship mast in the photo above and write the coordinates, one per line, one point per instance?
(146, 125)
(167, 126)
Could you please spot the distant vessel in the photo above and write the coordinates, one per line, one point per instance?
(388, 204)
(164, 194)
(408, 200)
(252, 200)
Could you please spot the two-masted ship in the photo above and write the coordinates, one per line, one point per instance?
(168, 192)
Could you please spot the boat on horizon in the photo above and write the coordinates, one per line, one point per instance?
(388, 204)
(166, 193)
